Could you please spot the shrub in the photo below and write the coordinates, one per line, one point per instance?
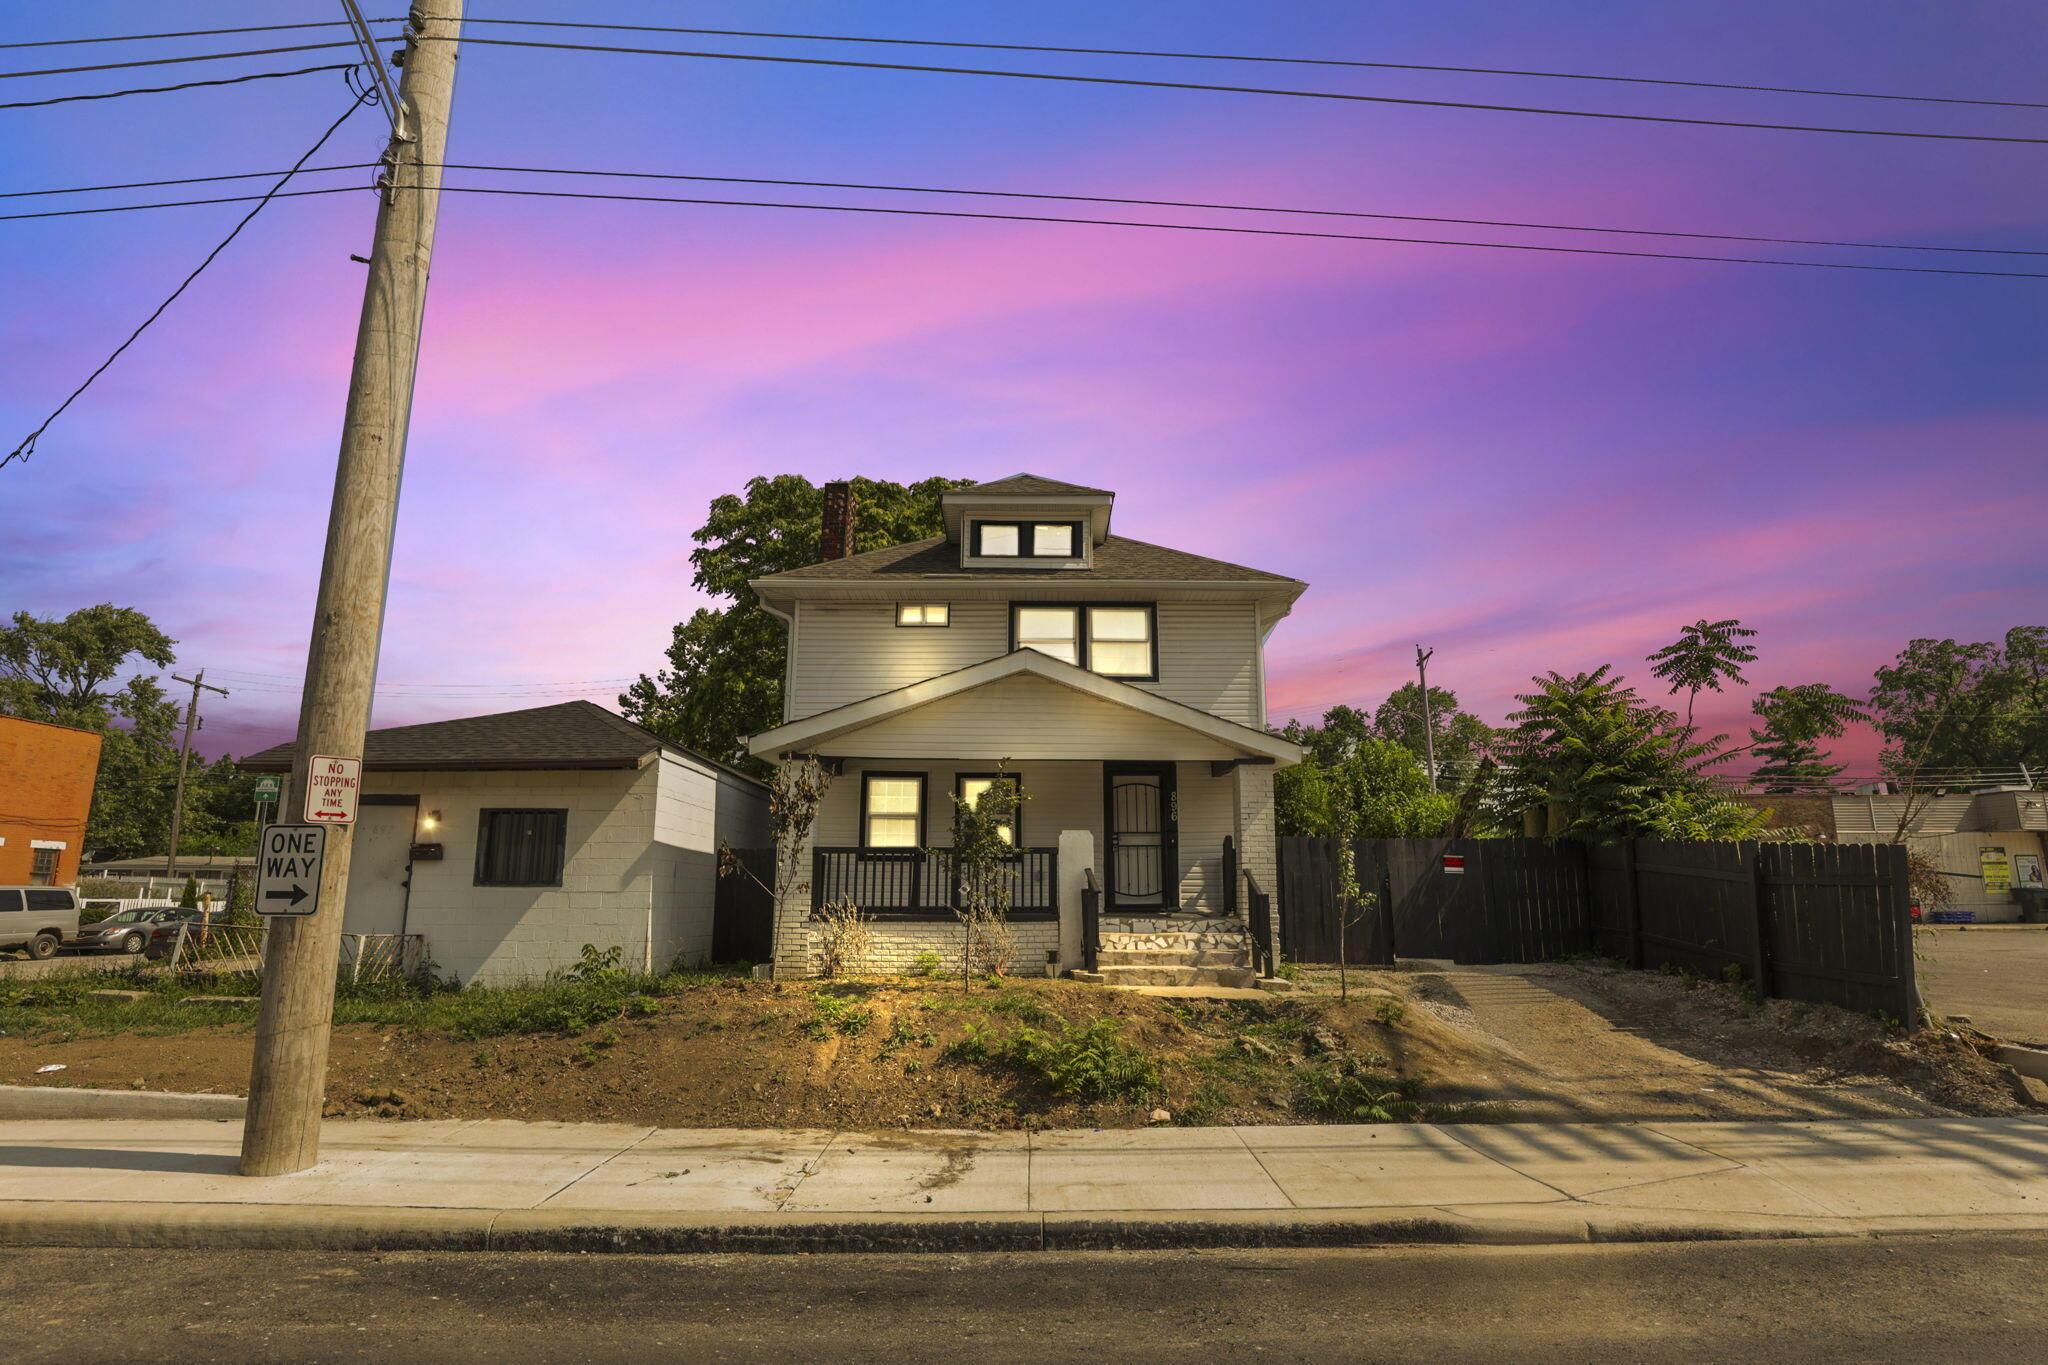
(832, 1014)
(926, 963)
(843, 939)
(1088, 1061)
(1341, 1089)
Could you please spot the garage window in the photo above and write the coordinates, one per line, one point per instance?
(521, 847)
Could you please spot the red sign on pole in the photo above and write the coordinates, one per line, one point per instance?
(1454, 864)
(331, 787)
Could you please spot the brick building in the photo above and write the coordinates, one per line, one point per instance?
(46, 780)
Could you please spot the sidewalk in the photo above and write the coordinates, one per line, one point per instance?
(545, 1186)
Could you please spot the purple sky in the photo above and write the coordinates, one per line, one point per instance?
(1527, 461)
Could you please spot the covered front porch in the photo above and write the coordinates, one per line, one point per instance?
(1136, 815)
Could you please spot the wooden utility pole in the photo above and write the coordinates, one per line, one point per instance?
(287, 1080)
(1428, 725)
(199, 684)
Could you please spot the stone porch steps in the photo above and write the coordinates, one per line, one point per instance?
(1172, 957)
(1160, 974)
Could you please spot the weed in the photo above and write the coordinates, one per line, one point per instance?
(832, 1014)
(1089, 1061)
(1347, 1092)
(1389, 1011)
(926, 963)
(1739, 982)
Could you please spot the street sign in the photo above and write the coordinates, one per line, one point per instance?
(288, 869)
(267, 789)
(331, 788)
(1454, 864)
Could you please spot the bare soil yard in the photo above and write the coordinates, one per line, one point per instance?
(1534, 1043)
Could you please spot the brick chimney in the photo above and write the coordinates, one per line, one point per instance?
(836, 538)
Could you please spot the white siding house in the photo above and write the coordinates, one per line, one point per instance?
(1121, 684)
(618, 837)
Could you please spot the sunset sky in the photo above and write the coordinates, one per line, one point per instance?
(1527, 461)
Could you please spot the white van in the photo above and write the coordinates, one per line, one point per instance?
(38, 918)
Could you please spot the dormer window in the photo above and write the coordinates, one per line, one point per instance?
(923, 614)
(1027, 539)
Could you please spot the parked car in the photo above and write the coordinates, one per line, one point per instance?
(163, 932)
(38, 918)
(127, 931)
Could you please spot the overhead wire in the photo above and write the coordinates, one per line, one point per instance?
(977, 192)
(26, 449)
(168, 89)
(1281, 91)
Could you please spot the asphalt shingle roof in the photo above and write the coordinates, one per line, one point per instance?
(1117, 557)
(570, 734)
(1031, 483)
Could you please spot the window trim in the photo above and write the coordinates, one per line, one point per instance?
(1083, 609)
(923, 781)
(1023, 527)
(483, 826)
(901, 607)
(961, 779)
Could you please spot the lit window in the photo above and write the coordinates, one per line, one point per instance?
(1051, 630)
(923, 614)
(1120, 641)
(997, 538)
(971, 789)
(1053, 540)
(892, 810)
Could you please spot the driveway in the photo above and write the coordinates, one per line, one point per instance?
(1997, 977)
(19, 967)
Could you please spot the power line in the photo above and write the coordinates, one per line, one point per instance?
(1242, 90)
(1065, 198)
(1245, 57)
(1068, 50)
(182, 85)
(890, 211)
(27, 447)
(170, 61)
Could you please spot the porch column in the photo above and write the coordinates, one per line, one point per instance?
(793, 916)
(1257, 851)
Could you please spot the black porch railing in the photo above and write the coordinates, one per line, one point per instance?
(912, 883)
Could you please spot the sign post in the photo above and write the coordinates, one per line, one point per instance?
(288, 869)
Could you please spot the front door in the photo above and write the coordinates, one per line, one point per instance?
(380, 867)
(1140, 816)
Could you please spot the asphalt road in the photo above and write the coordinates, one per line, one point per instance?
(1975, 1298)
(1999, 977)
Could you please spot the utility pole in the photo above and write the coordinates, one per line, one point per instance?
(199, 684)
(287, 1079)
(1428, 725)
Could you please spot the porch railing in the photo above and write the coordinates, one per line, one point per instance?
(912, 883)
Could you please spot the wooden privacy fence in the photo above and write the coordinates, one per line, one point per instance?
(1823, 922)
(743, 911)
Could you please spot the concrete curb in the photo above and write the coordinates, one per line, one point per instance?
(68, 1102)
(276, 1227)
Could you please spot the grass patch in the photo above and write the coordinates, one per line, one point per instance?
(833, 1013)
(1088, 1061)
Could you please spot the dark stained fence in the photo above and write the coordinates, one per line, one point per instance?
(1308, 907)
(1822, 922)
(743, 913)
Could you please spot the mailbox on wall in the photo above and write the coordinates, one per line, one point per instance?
(426, 853)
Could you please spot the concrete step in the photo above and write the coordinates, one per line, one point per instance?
(1175, 976)
(1229, 941)
(1173, 957)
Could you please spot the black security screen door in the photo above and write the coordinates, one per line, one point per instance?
(1139, 800)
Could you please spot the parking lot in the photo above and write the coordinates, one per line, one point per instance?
(1998, 977)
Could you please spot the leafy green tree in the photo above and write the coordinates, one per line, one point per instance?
(1378, 788)
(1461, 738)
(1588, 758)
(1343, 728)
(1795, 720)
(725, 664)
(1705, 655)
(66, 670)
(1944, 706)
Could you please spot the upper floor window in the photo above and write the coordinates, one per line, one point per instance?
(43, 866)
(1119, 641)
(1027, 539)
(923, 614)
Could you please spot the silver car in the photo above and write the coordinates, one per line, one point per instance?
(126, 931)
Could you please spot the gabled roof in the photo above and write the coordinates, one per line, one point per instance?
(802, 735)
(568, 735)
(1030, 483)
(1117, 558)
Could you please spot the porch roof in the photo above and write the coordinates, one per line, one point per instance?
(1148, 714)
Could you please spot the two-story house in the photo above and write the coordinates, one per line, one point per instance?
(1120, 684)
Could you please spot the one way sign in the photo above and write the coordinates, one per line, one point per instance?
(288, 880)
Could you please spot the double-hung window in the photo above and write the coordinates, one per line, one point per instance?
(892, 810)
(1116, 641)
(521, 847)
(923, 614)
(43, 866)
(970, 786)
(1027, 539)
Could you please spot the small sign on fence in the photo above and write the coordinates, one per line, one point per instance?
(288, 872)
(1454, 864)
